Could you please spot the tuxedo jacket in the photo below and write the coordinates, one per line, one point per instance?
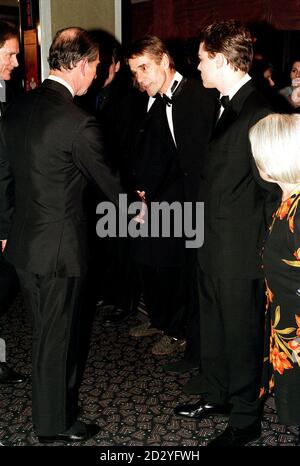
(193, 114)
(52, 148)
(237, 203)
(167, 172)
(6, 188)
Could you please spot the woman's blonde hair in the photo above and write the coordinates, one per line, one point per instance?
(275, 143)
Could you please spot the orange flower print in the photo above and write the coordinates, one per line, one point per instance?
(262, 392)
(294, 345)
(284, 209)
(279, 360)
(271, 384)
(297, 318)
(269, 295)
(297, 254)
(291, 224)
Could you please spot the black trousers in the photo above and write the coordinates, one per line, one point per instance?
(165, 298)
(9, 283)
(56, 306)
(193, 341)
(231, 326)
(9, 286)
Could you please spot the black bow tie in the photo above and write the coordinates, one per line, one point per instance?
(224, 101)
(167, 100)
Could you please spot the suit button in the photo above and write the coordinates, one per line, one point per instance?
(186, 174)
(142, 130)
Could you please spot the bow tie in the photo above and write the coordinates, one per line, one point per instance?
(167, 100)
(224, 101)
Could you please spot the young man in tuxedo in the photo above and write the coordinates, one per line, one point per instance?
(9, 49)
(231, 287)
(171, 132)
(52, 148)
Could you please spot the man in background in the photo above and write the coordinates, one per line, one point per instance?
(9, 49)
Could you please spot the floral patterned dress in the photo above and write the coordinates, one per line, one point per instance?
(281, 259)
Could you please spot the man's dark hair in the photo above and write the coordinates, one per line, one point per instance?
(233, 40)
(7, 31)
(69, 46)
(151, 45)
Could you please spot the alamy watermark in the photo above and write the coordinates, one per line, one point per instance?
(165, 220)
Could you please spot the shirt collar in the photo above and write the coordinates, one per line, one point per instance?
(177, 77)
(237, 86)
(63, 82)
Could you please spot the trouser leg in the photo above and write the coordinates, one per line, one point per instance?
(231, 318)
(55, 304)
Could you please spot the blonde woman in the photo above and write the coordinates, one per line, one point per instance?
(275, 142)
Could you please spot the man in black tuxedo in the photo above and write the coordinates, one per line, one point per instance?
(173, 124)
(230, 282)
(53, 147)
(9, 49)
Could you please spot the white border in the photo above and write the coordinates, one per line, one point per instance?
(118, 20)
(45, 35)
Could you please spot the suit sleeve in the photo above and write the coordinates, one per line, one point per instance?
(6, 192)
(88, 155)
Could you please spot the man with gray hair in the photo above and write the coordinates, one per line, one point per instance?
(52, 148)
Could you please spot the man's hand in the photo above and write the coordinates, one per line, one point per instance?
(3, 244)
(140, 217)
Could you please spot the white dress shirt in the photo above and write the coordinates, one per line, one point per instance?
(235, 89)
(177, 77)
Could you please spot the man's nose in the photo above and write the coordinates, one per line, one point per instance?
(138, 77)
(15, 62)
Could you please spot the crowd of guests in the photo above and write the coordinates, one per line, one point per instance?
(165, 138)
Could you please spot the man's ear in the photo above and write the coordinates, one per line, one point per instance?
(82, 65)
(117, 66)
(165, 61)
(220, 60)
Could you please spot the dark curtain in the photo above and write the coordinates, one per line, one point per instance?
(186, 18)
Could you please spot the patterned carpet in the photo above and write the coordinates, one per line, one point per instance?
(125, 391)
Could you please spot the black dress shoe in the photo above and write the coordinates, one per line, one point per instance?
(200, 410)
(235, 437)
(179, 367)
(79, 432)
(8, 375)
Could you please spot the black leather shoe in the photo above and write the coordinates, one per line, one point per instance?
(8, 375)
(79, 432)
(235, 437)
(200, 410)
(179, 367)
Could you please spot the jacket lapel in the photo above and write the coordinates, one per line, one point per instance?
(232, 111)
